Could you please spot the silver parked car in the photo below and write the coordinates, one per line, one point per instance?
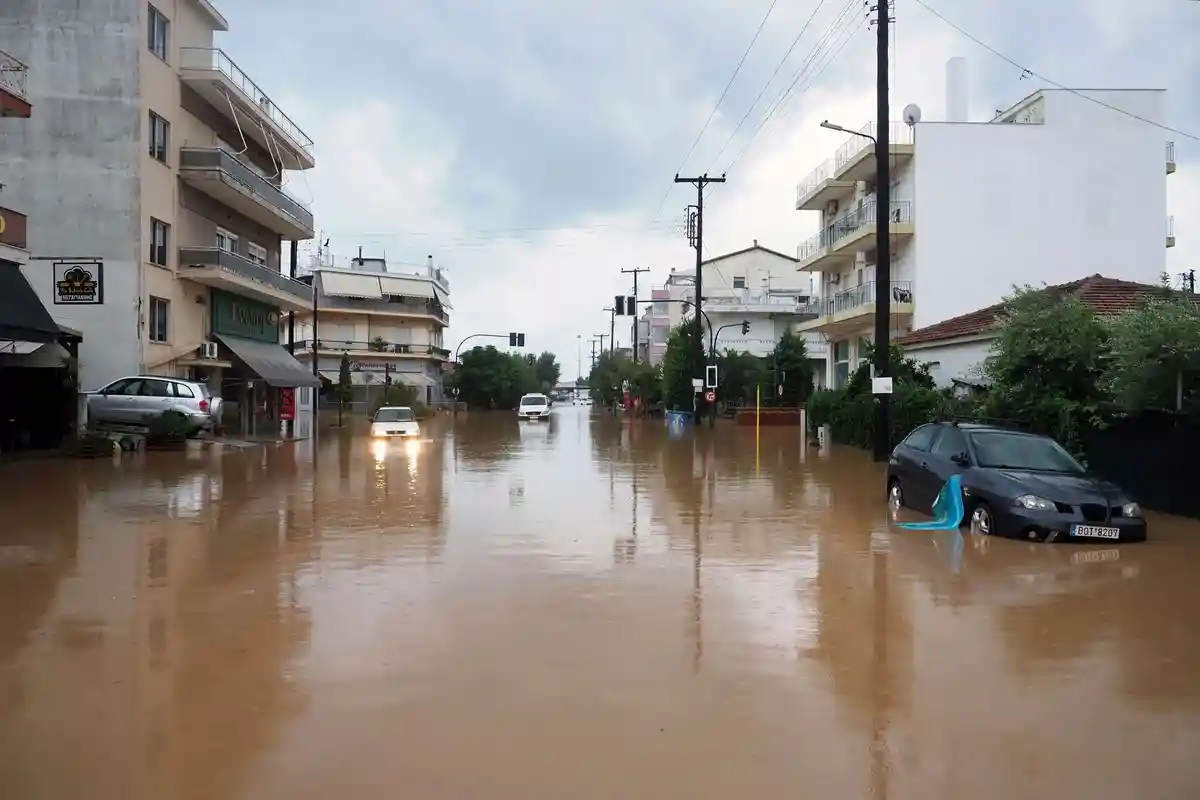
(138, 399)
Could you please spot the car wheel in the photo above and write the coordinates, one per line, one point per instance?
(982, 521)
(895, 495)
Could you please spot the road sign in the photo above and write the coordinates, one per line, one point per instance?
(710, 396)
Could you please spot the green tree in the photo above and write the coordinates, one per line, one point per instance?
(739, 374)
(793, 369)
(548, 371)
(678, 368)
(1153, 349)
(613, 371)
(489, 379)
(344, 378)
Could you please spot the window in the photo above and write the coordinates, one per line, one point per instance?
(227, 241)
(921, 438)
(159, 322)
(950, 443)
(155, 388)
(160, 137)
(257, 253)
(158, 34)
(182, 390)
(160, 237)
(841, 363)
(739, 282)
(125, 386)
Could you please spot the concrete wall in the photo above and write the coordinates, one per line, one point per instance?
(951, 360)
(1003, 204)
(760, 270)
(75, 167)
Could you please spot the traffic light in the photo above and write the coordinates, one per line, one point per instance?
(520, 340)
(631, 306)
(619, 304)
(710, 376)
(625, 305)
(512, 340)
(745, 327)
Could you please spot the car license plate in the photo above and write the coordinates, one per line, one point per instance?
(1096, 531)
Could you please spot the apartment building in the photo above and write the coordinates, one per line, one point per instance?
(391, 321)
(1057, 186)
(158, 166)
(756, 284)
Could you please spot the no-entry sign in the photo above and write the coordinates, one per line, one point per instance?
(710, 396)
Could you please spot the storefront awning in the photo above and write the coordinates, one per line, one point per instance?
(23, 318)
(406, 287)
(276, 366)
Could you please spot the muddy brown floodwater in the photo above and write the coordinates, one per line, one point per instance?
(579, 609)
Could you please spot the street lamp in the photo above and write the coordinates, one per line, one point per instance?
(883, 285)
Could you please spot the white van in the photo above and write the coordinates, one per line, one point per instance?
(533, 406)
(395, 421)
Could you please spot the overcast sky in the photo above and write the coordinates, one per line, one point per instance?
(527, 144)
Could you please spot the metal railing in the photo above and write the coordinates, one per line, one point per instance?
(347, 345)
(213, 58)
(1170, 152)
(426, 308)
(215, 158)
(851, 222)
(240, 265)
(898, 133)
(859, 296)
(761, 304)
(814, 179)
(14, 76)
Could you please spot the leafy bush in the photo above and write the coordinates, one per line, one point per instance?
(170, 425)
(399, 394)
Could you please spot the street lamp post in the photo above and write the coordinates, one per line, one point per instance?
(883, 280)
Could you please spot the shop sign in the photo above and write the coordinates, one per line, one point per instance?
(234, 315)
(78, 283)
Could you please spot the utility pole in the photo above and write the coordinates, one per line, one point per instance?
(593, 352)
(635, 273)
(292, 314)
(1189, 280)
(612, 328)
(698, 338)
(883, 207)
(602, 337)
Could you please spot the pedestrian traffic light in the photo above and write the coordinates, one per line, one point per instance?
(710, 376)
(512, 340)
(619, 305)
(745, 327)
(520, 340)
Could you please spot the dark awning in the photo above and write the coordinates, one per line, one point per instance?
(276, 366)
(23, 318)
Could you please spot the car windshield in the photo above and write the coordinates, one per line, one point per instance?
(533, 400)
(394, 415)
(1022, 451)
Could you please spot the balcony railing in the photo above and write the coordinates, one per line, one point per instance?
(859, 296)
(850, 222)
(385, 306)
(240, 265)
(212, 58)
(214, 158)
(761, 304)
(346, 345)
(14, 76)
(898, 133)
(814, 179)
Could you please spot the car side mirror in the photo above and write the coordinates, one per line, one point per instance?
(962, 459)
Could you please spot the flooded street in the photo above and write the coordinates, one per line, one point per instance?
(583, 608)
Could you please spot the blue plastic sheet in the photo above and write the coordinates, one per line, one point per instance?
(947, 509)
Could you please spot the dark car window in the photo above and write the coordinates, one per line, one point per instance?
(1021, 451)
(394, 415)
(950, 443)
(921, 438)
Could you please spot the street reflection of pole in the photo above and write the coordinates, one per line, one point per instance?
(879, 764)
(697, 555)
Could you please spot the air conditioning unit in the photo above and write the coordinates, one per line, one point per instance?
(831, 208)
(208, 350)
(860, 186)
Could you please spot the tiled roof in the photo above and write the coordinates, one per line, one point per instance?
(1102, 295)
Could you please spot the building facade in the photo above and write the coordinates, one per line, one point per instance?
(977, 208)
(158, 168)
(390, 322)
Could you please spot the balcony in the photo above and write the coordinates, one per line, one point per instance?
(851, 233)
(221, 176)
(385, 307)
(1170, 231)
(760, 304)
(221, 269)
(14, 88)
(854, 309)
(819, 187)
(1170, 158)
(375, 347)
(855, 159)
(216, 78)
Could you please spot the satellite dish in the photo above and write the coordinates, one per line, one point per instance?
(912, 114)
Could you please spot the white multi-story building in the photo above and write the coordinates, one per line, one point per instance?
(153, 179)
(757, 285)
(1057, 186)
(390, 321)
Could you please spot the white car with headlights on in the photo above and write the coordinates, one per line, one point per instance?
(395, 421)
(534, 407)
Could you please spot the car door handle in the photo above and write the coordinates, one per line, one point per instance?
(924, 465)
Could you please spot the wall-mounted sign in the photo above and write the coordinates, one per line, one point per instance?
(13, 227)
(287, 403)
(78, 283)
(234, 315)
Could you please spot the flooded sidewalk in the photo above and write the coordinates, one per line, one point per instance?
(581, 608)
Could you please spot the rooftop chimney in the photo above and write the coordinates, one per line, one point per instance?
(957, 100)
(756, 242)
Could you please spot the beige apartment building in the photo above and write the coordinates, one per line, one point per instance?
(160, 166)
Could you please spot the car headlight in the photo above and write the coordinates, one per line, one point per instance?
(1131, 510)
(1035, 503)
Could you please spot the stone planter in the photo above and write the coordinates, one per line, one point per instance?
(769, 417)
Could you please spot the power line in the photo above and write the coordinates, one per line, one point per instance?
(766, 85)
(720, 99)
(1027, 72)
